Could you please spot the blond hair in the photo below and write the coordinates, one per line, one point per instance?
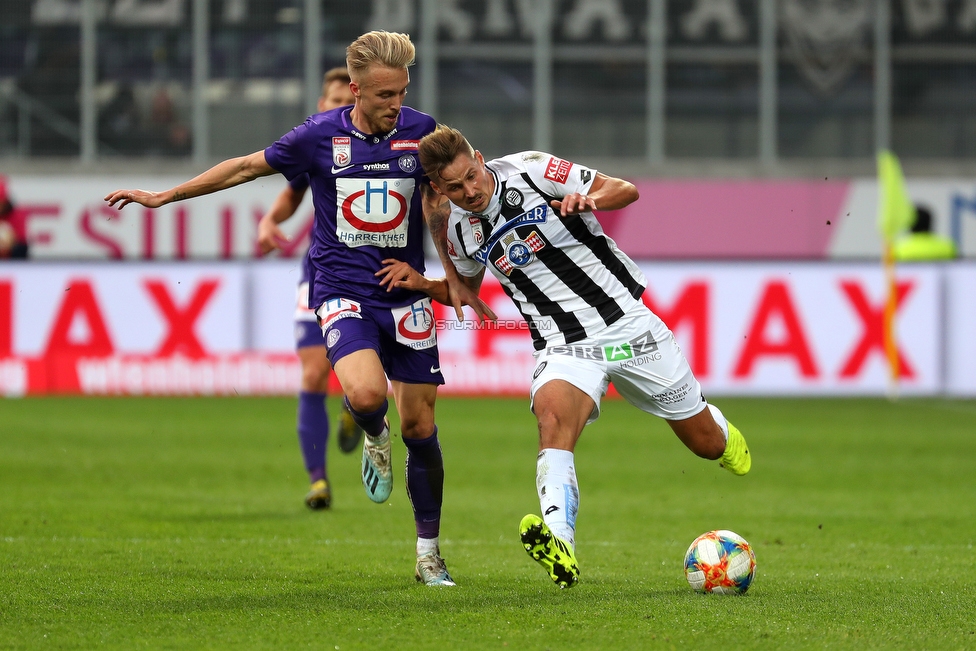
(439, 148)
(389, 49)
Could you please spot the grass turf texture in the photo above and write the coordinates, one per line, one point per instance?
(179, 523)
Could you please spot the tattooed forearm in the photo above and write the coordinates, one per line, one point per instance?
(436, 212)
(179, 196)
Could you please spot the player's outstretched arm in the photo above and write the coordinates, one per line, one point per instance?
(221, 176)
(606, 193)
(270, 237)
(398, 274)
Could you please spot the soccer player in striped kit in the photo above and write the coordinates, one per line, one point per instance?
(528, 217)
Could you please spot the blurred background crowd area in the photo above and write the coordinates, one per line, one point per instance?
(763, 82)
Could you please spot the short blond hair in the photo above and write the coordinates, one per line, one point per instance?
(440, 147)
(389, 49)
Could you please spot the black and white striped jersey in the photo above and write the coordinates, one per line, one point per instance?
(567, 278)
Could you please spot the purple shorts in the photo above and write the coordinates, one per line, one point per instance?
(404, 337)
(307, 331)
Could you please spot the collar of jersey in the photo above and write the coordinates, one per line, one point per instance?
(347, 123)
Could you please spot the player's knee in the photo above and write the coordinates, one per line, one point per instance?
(555, 431)
(416, 427)
(365, 399)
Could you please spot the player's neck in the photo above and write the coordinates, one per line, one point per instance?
(360, 122)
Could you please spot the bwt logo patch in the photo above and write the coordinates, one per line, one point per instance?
(558, 170)
(415, 325)
(373, 212)
(341, 150)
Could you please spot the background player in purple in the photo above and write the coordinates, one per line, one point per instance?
(313, 419)
(365, 181)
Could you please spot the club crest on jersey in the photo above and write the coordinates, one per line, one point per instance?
(537, 215)
(518, 253)
(514, 198)
(558, 170)
(415, 324)
(341, 150)
(407, 163)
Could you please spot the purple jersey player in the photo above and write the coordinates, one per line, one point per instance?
(313, 419)
(366, 182)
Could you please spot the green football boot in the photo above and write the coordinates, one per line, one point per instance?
(552, 553)
(736, 458)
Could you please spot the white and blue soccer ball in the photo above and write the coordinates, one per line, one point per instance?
(721, 562)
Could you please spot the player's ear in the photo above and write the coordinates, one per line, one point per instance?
(478, 157)
(356, 90)
(436, 189)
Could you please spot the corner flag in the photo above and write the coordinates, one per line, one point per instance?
(895, 215)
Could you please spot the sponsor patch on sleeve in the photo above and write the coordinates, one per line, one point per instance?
(558, 170)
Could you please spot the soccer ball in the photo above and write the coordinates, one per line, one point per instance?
(721, 562)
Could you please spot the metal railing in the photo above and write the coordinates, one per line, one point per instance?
(540, 52)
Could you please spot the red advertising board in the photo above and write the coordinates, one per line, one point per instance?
(224, 328)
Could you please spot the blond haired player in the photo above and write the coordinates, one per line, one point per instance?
(366, 183)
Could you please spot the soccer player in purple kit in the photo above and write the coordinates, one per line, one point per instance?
(366, 182)
(313, 419)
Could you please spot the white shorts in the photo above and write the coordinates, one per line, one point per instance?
(639, 355)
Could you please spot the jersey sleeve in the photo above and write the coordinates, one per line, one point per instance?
(293, 153)
(556, 176)
(299, 184)
(465, 266)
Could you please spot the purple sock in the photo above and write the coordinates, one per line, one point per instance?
(425, 483)
(371, 422)
(313, 432)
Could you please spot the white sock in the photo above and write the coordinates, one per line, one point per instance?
(720, 419)
(426, 546)
(555, 480)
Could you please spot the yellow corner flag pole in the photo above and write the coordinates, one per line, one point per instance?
(895, 215)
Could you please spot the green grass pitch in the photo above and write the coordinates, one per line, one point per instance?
(178, 523)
